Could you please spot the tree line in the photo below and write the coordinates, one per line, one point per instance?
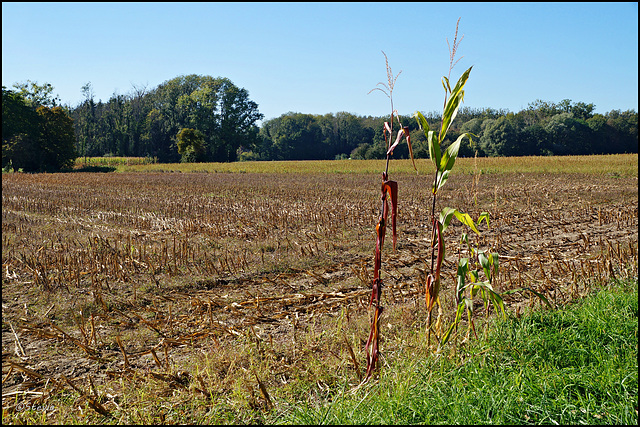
(196, 118)
(544, 128)
(189, 118)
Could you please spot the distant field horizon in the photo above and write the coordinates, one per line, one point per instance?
(617, 164)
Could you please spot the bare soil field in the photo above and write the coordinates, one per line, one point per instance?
(198, 287)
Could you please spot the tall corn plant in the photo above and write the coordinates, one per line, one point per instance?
(444, 162)
(389, 193)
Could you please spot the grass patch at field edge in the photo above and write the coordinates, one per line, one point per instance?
(576, 365)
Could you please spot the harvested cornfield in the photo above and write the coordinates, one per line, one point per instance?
(200, 288)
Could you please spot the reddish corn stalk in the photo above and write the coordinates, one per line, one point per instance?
(389, 190)
(372, 358)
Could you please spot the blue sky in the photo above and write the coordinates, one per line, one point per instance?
(323, 58)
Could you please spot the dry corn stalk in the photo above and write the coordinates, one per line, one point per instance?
(389, 191)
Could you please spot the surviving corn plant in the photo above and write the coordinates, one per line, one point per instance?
(389, 190)
(444, 162)
(468, 277)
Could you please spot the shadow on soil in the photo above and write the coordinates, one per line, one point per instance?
(95, 169)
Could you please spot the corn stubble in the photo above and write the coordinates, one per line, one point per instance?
(88, 258)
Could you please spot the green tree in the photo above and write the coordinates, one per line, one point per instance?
(539, 111)
(568, 135)
(295, 136)
(138, 108)
(360, 152)
(57, 139)
(237, 128)
(532, 140)
(146, 122)
(582, 111)
(623, 131)
(350, 133)
(154, 138)
(500, 137)
(19, 132)
(599, 130)
(220, 110)
(190, 145)
(85, 121)
(40, 139)
(37, 95)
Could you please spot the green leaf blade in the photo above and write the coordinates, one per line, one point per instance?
(452, 105)
(466, 220)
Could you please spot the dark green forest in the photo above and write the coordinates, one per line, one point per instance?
(197, 118)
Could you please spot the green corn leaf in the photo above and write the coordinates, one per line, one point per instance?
(462, 81)
(441, 178)
(445, 217)
(484, 216)
(434, 148)
(451, 153)
(449, 156)
(447, 213)
(466, 220)
(489, 294)
(474, 276)
(486, 285)
(445, 84)
(486, 264)
(447, 335)
(434, 145)
(422, 122)
(474, 290)
(450, 113)
(469, 305)
(441, 250)
(496, 299)
(463, 269)
(464, 239)
(448, 159)
(451, 108)
(497, 302)
(484, 293)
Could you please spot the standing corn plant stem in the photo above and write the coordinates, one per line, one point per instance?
(389, 190)
(444, 162)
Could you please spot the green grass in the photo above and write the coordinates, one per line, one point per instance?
(576, 365)
(615, 165)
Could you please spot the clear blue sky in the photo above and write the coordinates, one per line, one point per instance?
(323, 58)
